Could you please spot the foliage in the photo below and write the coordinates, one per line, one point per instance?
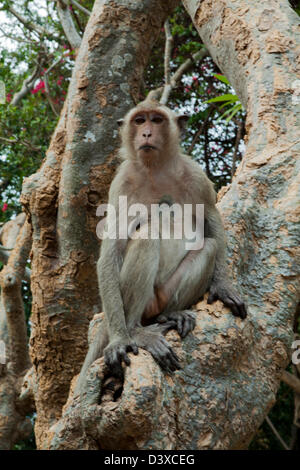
(24, 137)
(25, 129)
(229, 99)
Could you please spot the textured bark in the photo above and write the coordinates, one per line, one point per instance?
(63, 196)
(14, 425)
(231, 368)
(12, 302)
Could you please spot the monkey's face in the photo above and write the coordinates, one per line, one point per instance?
(151, 134)
(149, 130)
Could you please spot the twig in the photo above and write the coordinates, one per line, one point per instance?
(75, 15)
(277, 434)
(168, 50)
(290, 380)
(199, 131)
(80, 7)
(47, 93)
(236, 146)
(179, 72)
(24, 142)
(26, 87)
(33, 27)
(47, 88)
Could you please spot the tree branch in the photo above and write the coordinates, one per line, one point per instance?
(80, 7)
(179, 72)
(200, 131)
(292, 381)
(33, 27)
(276, 433)
(10, 280)
(168, 50)
(4, 256)
(68, 26)
(26, 87)
(24, 142)
(47, 93)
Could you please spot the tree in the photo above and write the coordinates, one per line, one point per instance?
(231, 369)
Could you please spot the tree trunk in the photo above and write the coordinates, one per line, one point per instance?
(231, 368)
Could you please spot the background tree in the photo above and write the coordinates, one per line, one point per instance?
(63, 280)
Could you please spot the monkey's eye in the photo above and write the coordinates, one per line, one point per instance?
(157, 119)
(139, 120)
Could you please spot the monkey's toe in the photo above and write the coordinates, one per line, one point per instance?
(183, 321)
(165, 356)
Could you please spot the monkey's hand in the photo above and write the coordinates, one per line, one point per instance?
(184, 321)
(230, 298)
(116, 352)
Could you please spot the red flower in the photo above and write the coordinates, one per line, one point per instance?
(39, 87)
(5, 207)
(8, 97)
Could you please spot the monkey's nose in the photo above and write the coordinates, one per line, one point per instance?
(147, 134)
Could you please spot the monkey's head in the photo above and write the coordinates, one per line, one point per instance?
(151, 133)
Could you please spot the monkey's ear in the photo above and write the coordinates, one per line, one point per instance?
(182, 120)
(120, 122)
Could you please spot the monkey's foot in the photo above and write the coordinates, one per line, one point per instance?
(184, 321)
(229, 297)
(151, 338)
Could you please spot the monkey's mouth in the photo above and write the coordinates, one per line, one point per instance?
(147, 148)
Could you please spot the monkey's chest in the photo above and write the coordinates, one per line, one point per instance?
(170, 194)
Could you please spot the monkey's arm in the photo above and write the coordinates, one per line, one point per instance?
(221, 286)
(120, 341)
(108, 270)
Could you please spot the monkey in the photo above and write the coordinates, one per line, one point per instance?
(147, 286)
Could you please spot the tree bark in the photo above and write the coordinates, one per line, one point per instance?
(230, 368)
(14, 425)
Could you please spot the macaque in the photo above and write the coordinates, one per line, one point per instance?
(147, 285)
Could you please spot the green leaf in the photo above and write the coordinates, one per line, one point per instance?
(233, 110)
(222, 78)
(227, 97)
(236, 109)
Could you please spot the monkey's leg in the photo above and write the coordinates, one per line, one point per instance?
(137, 280)
(186, 285)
